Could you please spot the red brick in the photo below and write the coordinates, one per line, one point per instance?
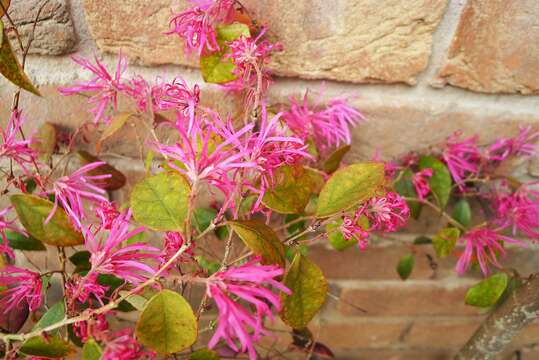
(361, 333)
(406, 299)
(440, 333)
(394, 355)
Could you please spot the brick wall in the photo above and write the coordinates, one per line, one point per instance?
(419, 70)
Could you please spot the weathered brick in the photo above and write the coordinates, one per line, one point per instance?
(442, 333)
(494, 49)
(390, 299)
(389, 42)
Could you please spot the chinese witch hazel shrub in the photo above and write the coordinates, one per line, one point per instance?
(276, 181)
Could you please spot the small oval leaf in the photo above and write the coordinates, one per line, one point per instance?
(334, 160)
(44, 142)
(406, 188)
(18, 241)
(161, 201)
(204, 354)
(49, 347)
(33, 212)
(445, 240)
(487, 292)
(405, 266)
(91, 350)
(261, 239)
(55, 314)
(462, 212)
(309, 289)
(167, 325)
(440, 182)
(349, 186)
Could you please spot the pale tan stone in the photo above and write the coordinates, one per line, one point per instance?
(495, 48)
(350, 40)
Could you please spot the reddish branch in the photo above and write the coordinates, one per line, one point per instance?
(504, 323)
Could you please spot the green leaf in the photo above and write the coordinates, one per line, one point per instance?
(405, 187)
(336, 238)
(261, 239)
(487, 292)
(334, 160)
(422, 240)
(33, 211)
(55, 314)
(216, 70)
(204, 354)
(45, 141)
(349, 186)
(12, 69)
(440, 182)
(210, 266)
(50, 347)
(81, 260)
(116, 180)
(445, 240)
(309, 289)
(167, 325)
(292, 190)
(405, 266)
(161, 201)
(231, 32)
(203, 217)
(18, 241)
(91, 350)
(462, 212)
(137, 301)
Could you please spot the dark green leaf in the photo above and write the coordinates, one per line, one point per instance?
(406, 188)
(422, 240)
(349, 186)
(161, 201)
(405, 266)
(261, 239)
(309, 289)
(33, 211)
(49, 347)
(55, 314)
(18, 241)
(462, 212)
(167, 325)
(334, 160)
(203, 217)
(487, 292)
(204, 354)
(210, 266)
(440, 182)
(81, 259)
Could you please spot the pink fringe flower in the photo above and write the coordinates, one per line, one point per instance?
(105, 86)
(17, 150)
(462, 157)
(21, 285)
(350, 229)
(482, 245)
(328, 126)
(249, 282)
(421, 184)
(96, 327)
(122, 345)
(387, 213)
(173, 241)
(524, 144)
(519, 211)
(71, 189)
(196, 25)
(6, 224)
(106, 212)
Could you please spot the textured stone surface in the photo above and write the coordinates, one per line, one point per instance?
(54, 33)
(495, 48)
(349, 40)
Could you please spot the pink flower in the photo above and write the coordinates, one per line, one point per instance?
(519, 210)
(421, 184)
(6, 224)
(387, 213)
(71, 189)
(122, 345)
(16, 150)
(196, 25)
(106, 86)
(21, 285)
(81, 289)
(462, 157)
(173, 241)
(524, 144)
(328, 126)
(482, 245)
(96, 327)
(350, 229)
(109, 254)
(249, 282)
(106, 212)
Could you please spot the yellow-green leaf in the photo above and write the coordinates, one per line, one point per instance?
(231, 32)
(216, 70)
(204, 354)
(334, 160)
(406, 188)
(45, 141)
(32, 212)
(12, 69)
(49, 347)
(91, 350)
(18, 241)
(261, 239)
(161, 201)
(292, 190)
(116, 180)
(487, 292)
(167, 325)
(445, 240)
(350, 186)
(309, 289)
